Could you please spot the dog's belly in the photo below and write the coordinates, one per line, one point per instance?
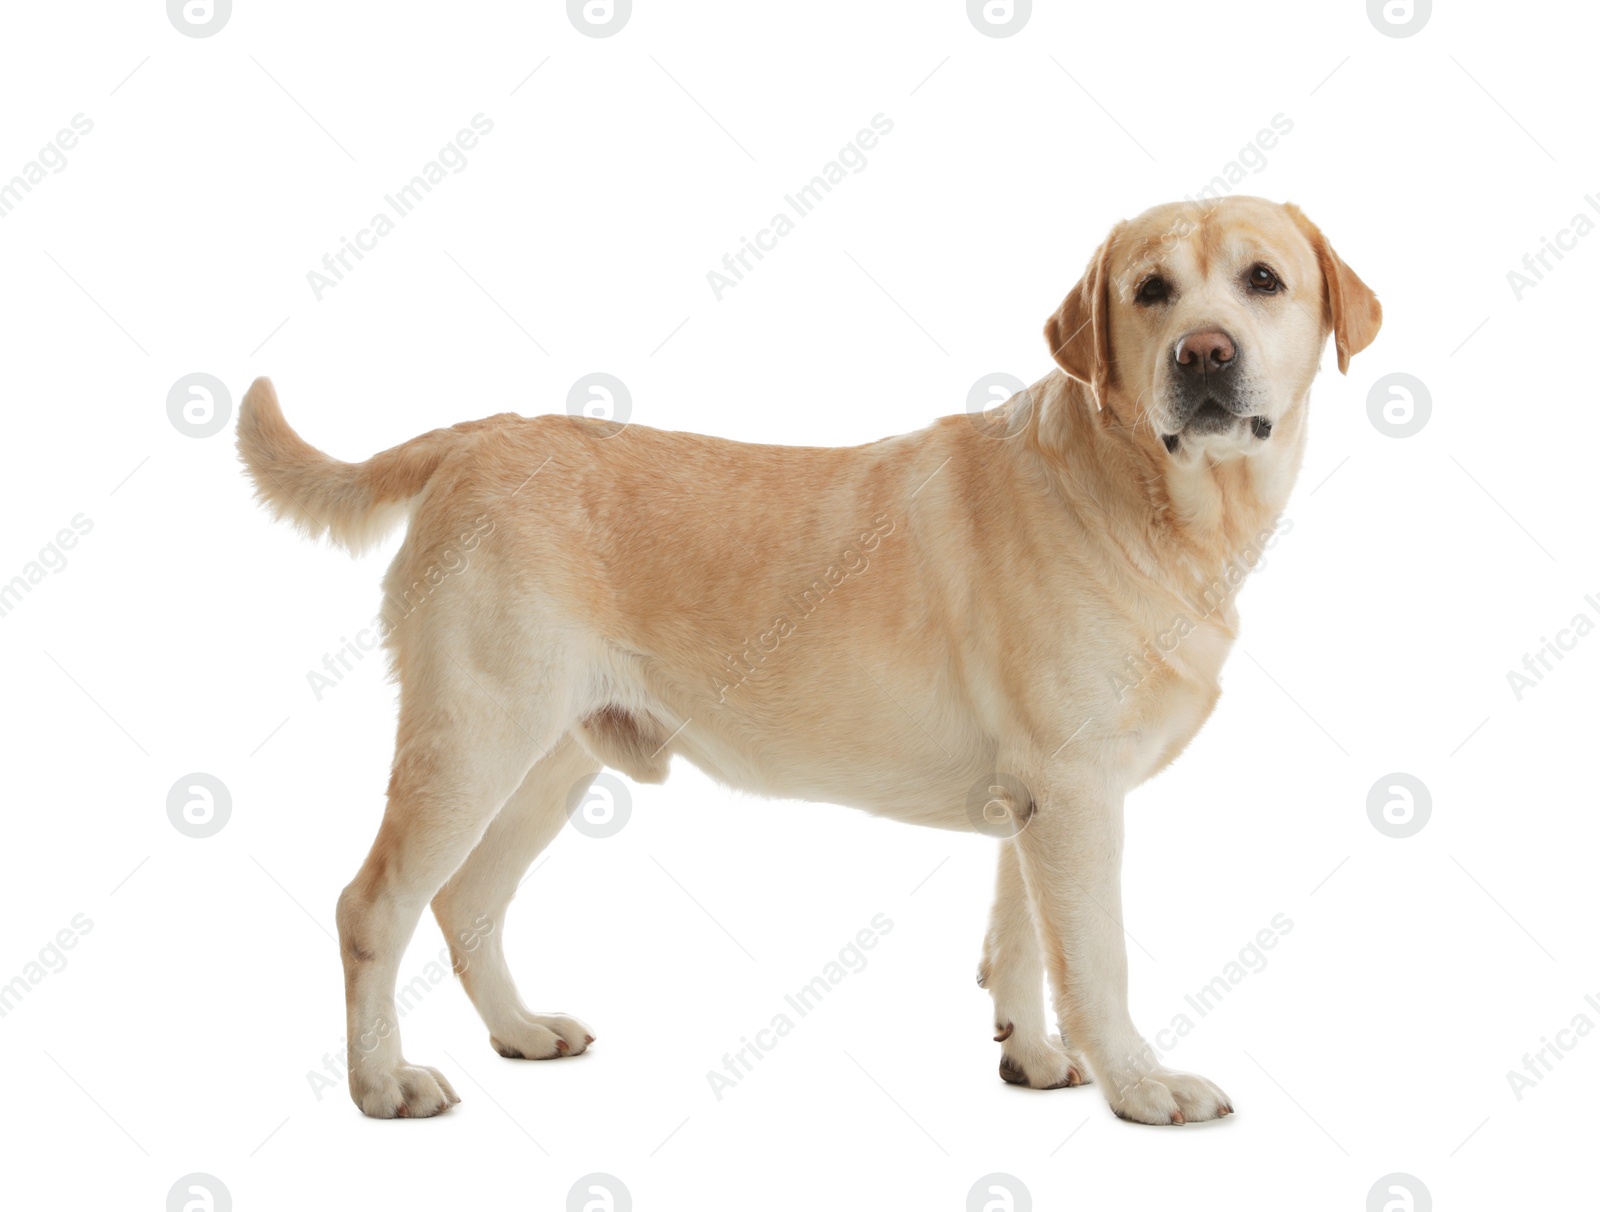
(905, 784)
(826, 732)
(867, 752)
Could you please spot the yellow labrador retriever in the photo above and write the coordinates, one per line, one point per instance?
(1001, 625)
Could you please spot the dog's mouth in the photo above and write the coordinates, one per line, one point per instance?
(1214, 417)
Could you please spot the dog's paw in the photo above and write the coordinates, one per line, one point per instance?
(1040, 1064)
(405, 1092)
(1166, 1096)
(541, 1037)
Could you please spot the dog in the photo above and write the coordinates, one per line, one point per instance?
(970, 627)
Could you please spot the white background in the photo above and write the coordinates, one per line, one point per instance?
(178, 637)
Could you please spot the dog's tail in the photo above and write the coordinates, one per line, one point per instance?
(354, 504)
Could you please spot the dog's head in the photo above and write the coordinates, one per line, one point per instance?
(1201, 324)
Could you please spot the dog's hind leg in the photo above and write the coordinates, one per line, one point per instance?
(1013, 972)
(471, 908)
(459, 755)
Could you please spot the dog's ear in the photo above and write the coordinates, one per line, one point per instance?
(1079, 333)
(1352, 311)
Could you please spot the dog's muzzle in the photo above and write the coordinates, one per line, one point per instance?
(1205, 369)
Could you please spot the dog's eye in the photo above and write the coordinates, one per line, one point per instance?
(1264, 281)
(1152, 290)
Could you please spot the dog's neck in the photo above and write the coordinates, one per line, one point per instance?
(1173, 515)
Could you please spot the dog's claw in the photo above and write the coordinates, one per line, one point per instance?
(1005, 1034)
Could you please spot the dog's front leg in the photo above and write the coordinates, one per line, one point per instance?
(1071, 858)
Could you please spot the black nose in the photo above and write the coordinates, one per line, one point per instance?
(1207, 353)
